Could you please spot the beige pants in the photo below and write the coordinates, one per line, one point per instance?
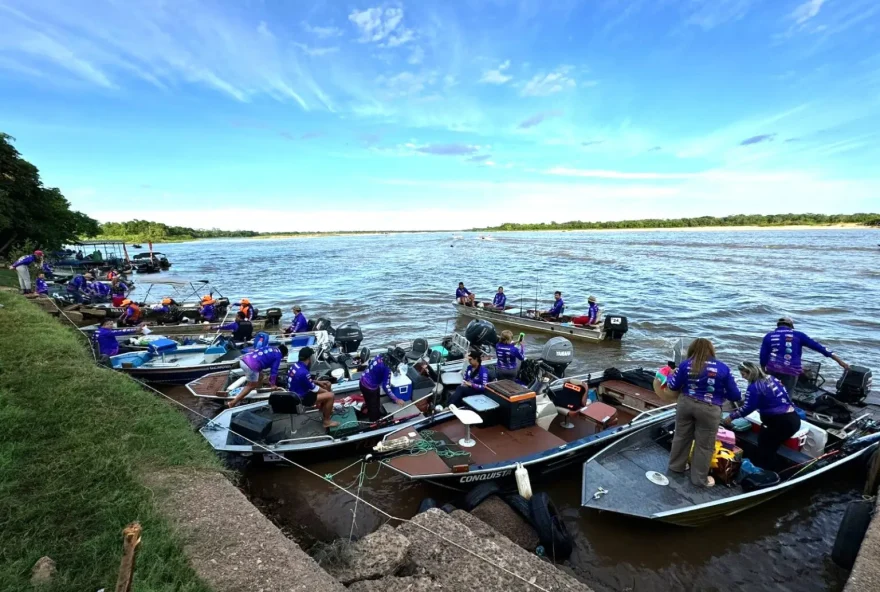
(695, 422)
(24, 277)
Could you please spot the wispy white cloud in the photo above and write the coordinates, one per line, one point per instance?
(448, 149)
(804, 12)
(322, 32)
(544, 84)
(315, 51)
(709, 14)
(381, 25)
(416, 57)
(539, 118)
(497, 75)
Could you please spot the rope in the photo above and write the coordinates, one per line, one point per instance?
(358, 498)
(430, 444)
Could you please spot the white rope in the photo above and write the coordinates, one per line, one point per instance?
(356, 500)
(357, 497)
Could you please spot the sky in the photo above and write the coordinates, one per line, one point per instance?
(288, 115)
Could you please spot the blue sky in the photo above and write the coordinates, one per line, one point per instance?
(294, 115)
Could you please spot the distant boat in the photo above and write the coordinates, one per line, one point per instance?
(137, 246)
(488, 238)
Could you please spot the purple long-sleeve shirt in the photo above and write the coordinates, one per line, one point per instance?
(558, 308)
(768, 397)
(782, 349)
(478, 378)
(377, 374)
(26, 260)
(714, 384)
(263, 358)
(507, 355)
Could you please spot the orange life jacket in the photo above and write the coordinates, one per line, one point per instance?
(137, 313)
(246, 310)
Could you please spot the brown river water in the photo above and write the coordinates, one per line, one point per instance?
(729, 286)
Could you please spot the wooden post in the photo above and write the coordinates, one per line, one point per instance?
(131, 539)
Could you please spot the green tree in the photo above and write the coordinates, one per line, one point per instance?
(31, 214)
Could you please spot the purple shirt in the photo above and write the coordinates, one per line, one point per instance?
(299, 324)
(478, 379)
(77, 284)
(42, 288)
(377, 374)
(26, 260)
(508, 354)
(715, 383)
(461, 293)
(106, 340)
(499, 300)
(768, 397)
(781, 350)
(265, 357)
(593, 313)
(557, 309)
(299, 380)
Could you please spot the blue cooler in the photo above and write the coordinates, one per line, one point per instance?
(401, 386)
(488, 410)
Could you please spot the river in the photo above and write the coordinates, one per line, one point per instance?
(729, 286)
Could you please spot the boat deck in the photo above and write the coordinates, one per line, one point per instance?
(622, 474)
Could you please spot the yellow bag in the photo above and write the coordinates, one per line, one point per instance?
(720, 452)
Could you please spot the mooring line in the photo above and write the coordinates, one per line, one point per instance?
(357, 496)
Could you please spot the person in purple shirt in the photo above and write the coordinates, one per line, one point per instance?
(47, 269)
(378, 375)
(500, 300)
(463, 295)
(99, 292)
(207, 313)
(312, 393)
(299, 324)
(42, 287)
(507, 353)
(556, 310)
(22, 268)
(475, 379)
(779, 420)
(242, 329)
(105, 337)
(704, 384)
(75, 288)
(782, 349)
(253, 364)
(593, 312)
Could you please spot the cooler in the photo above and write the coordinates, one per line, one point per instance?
(488, 410)
(401, 387)
(796, 442)
(600, 414)
(518, 405)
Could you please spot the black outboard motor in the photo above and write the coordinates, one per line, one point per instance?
(854, 385)
(273, 317)
(480, 333)
(615, 327)
(349, 337)
(322, 324)
(558, 353)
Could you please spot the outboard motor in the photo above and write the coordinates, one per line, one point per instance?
(558, 353)
(615, 327)
(854, 385)
(322, 324)
(349, 337)
(480, 332)
(273, 317)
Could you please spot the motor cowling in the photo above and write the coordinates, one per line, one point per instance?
(558, 353)
(273, 316)
(615, 327)
(323, 324)
(349, 337)
(481, 332)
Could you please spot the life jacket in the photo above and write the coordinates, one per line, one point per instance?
(136, 317)
(244, 332)
(246, 309)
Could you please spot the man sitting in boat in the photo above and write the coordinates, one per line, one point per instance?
(500, 300)
(475, 379)
(164, 307)
(105, 337)
(254, 363)
(779, 420)
(378, 375)
(507, 353)
(113, 273)
(313, 393)
(118, 290)
(464, 296)
(242, 329)
(781, 353)
(556, 311)
(299, 324)
(207, 314)
(131, 315)
(592, 317)
(247, 309)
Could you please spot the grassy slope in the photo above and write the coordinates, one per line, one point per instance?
(73, 438)
(8, 278)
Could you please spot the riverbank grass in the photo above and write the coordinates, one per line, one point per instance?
(74, 441)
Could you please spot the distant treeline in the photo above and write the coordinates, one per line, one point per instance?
(739, 220)
(146, 231)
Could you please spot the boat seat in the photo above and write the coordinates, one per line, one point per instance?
(467, 418)
(418, 349)
(634, 397)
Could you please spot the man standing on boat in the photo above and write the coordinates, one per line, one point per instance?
(299, 324)
(500, 300)
(253, 364)
(378, 376)
(558, 308)
(312, 393)
(782, 349)
(23, 268)
(464, 296)
(105, 337)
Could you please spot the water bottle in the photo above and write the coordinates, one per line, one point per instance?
(592, 396)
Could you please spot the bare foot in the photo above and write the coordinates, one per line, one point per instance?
(710, 482)
(331, 424)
